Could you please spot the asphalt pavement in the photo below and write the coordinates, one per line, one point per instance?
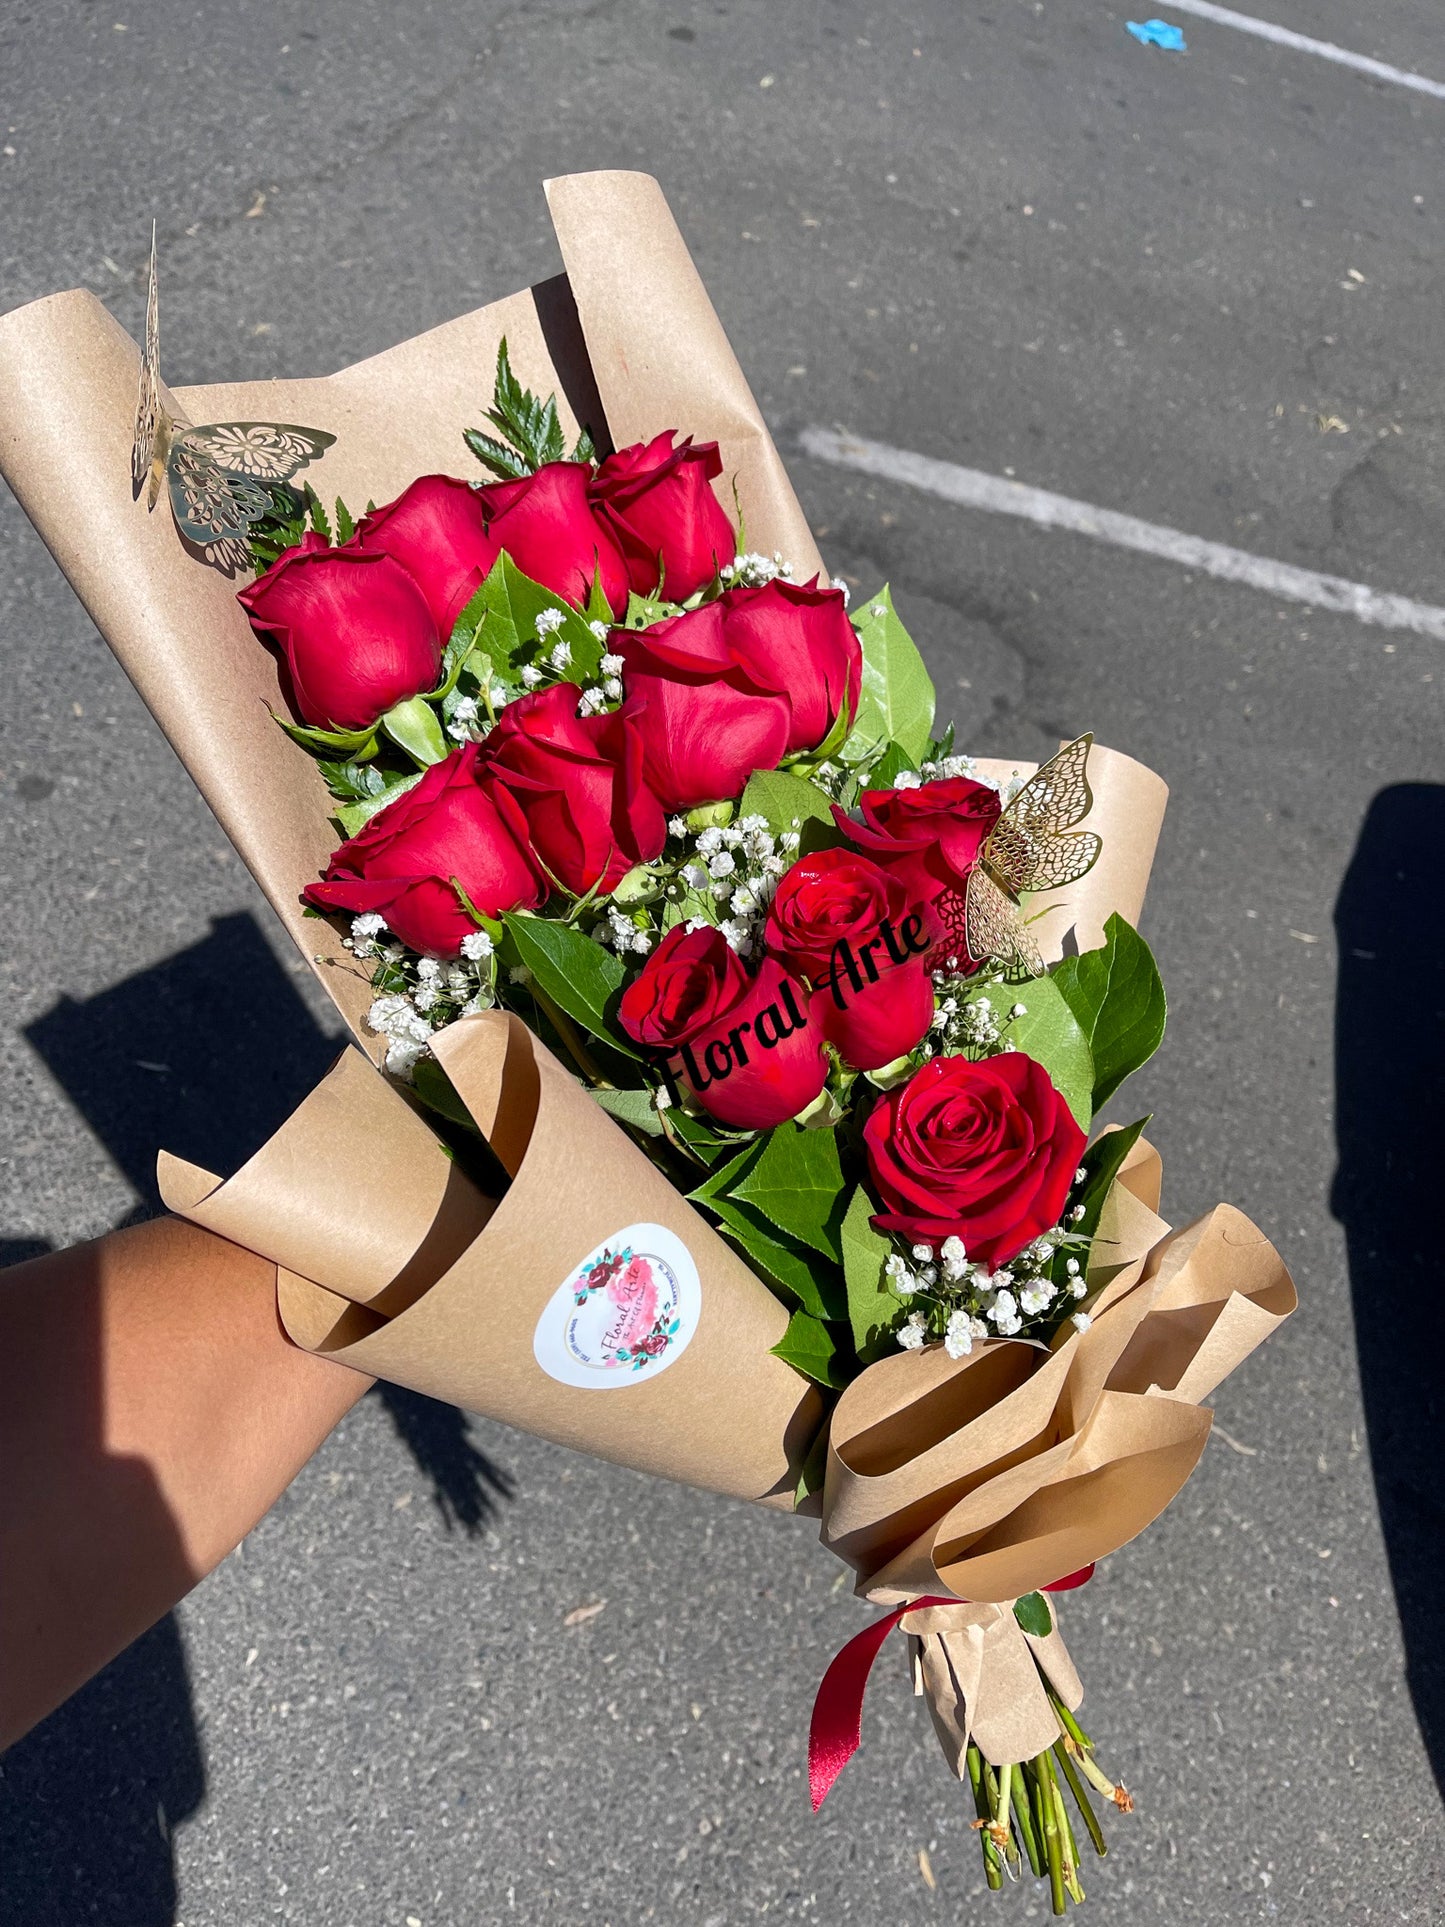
(1201, 289)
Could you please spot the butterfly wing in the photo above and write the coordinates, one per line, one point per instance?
(263, 451)
(148, 411)
(210, 504)
(1033, 845)
(995, 931)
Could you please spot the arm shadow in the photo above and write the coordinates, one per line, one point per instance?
(1389, 1076)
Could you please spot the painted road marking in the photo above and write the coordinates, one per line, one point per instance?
(1301, 43)
(972, 488)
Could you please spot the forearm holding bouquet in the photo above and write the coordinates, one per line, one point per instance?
(762, 1093)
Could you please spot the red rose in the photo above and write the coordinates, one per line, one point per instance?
(848, 927)
(547, 525)
(799, 642)
(732, 687)
(578, 780)
(355, 631)
(745, 1046)
(930, 838)
(402, 862)
(985, 1152)
(437, 531)
(657, 500)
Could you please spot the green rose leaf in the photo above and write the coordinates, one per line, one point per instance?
(797, 1184)
(507, 626)
(632, 1107)
(1100, 1164)
(577, 975)
(1050, 1033)
(810, 1348)
(1033, 1614)
(873, 1310)
(351, 816)
(800, 1277)
(788, 802)
(896, 702)
(1117, 996)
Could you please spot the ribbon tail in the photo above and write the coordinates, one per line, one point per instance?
(837, 1724)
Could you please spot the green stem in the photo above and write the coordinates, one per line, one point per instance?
(1023, 1820)
(1069, 1843)
(1081, 1799)
(572, 1038)
(992, 1872)
(1070, 1725)
(1053, 1842)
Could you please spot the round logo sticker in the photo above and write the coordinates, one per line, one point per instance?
(624, 1314)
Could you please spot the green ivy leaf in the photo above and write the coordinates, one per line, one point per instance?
(810, 1348)
(896, 702)
(1050, 1034)
(872, 1309)
(1117, 996)
(578, 975)
(797, 1183)
(1033, 1614)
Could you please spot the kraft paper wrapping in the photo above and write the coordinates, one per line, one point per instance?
(626, 336)
(389, 1261)
(990, 1476)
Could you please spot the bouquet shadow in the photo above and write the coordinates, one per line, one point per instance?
(1389, 1071)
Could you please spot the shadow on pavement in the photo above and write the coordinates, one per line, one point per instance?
(205, 1054)
(1389, 1080)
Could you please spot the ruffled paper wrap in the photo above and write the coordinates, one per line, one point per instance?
(991, 1476)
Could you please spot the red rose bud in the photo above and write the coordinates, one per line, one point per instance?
(745, 1046)
(929, 838)
(401, 863)
(579, 782)
(704, 722)
(354, 629)
(659, 504)
(799, 642)
(547, 524)
(437, 531)
(985, 1152)
(847, 926)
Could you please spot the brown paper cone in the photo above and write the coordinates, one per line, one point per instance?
(991, 1476)
(626, 336)
(392, 1263)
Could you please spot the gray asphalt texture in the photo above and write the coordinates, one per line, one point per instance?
(1000, 233)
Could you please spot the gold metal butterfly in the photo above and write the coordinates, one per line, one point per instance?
(1033, 846)
(217, 475)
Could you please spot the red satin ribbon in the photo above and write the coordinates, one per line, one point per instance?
(837, 1724)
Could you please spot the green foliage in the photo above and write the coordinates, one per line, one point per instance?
(577, 975)
(1100, 1164)
(352, 815)
(1050, 1034)
(872, 1308)
(530, 430)
(439, 1094)
(787, 801)
(355, 745)
(636, 1108)
(1033, 1614)
(892, 763)
(353, 782)
(1117, 996)
(644, 610)
(796, 1181)
(809, 1347)
(502, 617)
(896, 702)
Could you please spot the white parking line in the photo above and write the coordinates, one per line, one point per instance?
(1324, 49)
(972, 488)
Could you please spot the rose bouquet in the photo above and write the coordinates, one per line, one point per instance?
(738, 991)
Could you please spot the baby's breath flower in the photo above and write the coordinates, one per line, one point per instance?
(550, 619)
(913, 1333)
(601, 631)
(560, 656)
(611, 665)
(476, 945)
(531, 675)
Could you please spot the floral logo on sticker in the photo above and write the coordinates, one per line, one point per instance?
(627, 1310)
